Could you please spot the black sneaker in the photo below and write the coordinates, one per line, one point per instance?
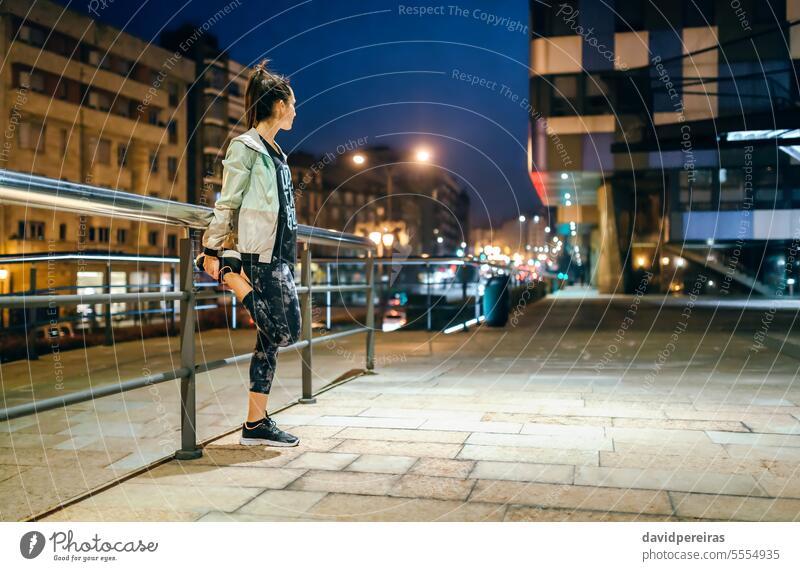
(266, 433)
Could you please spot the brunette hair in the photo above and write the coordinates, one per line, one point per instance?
(264, 88)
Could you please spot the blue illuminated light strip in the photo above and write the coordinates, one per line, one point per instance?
(464, 326)
(762, 135)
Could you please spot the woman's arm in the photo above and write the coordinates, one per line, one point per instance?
(237, 165)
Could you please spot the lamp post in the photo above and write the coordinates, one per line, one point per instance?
(421, 155)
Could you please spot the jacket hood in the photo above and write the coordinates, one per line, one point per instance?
(252, 139)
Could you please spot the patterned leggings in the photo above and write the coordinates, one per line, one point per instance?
(275, 310)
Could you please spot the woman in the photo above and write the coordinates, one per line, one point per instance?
(256, 213)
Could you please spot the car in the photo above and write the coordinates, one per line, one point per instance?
(54, 330)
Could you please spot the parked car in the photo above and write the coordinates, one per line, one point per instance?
(53, 330)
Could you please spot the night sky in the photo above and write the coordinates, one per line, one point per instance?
(363, 69)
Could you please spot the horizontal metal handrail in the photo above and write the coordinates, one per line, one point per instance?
(415, 261)
(89, 394)
(77, 397)
(78, 299)
(41, 192)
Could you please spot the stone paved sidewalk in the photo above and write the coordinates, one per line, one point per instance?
(518, 424)
(52, 457)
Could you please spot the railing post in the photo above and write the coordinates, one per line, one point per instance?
(109, 338)
(328, 296)
(175, 287)
(33, 353)
(428, 279)
(305, 280)
(189, 449)
(233, 312)
(369, 269)
(477, 291)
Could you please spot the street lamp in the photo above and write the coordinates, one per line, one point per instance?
(421, 155)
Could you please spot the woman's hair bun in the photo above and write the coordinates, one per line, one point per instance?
(263, 89)
(262, 66)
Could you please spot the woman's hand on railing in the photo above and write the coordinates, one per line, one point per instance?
(211, 266)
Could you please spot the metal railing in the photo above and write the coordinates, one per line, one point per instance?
(41, 192)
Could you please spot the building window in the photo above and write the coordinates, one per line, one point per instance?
(122, 155)
(172, 129)
(565, 94)
(212, 166)
(92, 56)
(122, 235)
(34, 80)
(31, 135)
(92, 233)
(172, 241)
(173, 94)
(215, 78)
(152, 237)
(121, 65)
(62, 231)
(629, 16)
(100, 100)
(549, 22)
(234, 90)
(104, 152)
(216, 108)
(597, 98)
(103, 234)
(154, 162)
(172, 167)
(695, 191)
(152, 116)
(34, 36)
(61, 90)
(30, 230)
(698, 13)
(215, 136)
(63, 141)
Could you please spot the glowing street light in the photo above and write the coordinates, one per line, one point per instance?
(423, 155)
(522, 218)
(359, 159)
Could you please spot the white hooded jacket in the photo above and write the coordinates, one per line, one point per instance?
(246, 214)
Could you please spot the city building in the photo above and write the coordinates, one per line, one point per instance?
(664, 132)
(85, 102)
(407, 205)
(214, 109)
